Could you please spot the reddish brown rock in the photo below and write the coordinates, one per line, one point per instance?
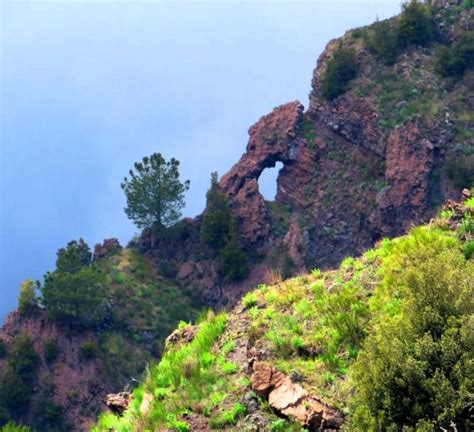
(182, 335)
(409, 161)
(118, 402)
(272, 139)
(292, 400)
(108, 247)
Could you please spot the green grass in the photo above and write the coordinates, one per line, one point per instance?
(183, 377)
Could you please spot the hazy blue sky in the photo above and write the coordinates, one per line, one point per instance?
(87, 88)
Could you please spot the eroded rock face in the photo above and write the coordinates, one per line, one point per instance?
(292, 400)
(272, 139)
(409, 160)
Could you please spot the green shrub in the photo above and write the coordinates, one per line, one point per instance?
(16, 378)
(455, 60)
(383, 42)
(469, 249)
(88, 350)
(3, 348)
(340, 70)
(249, 300)
(416, 367)
(50, 351)
(23, 358)
(459, 170)
(227, 418)
(48, 416)
(232, 259)
(279, 425)
(219, 230)
(27, 299)
(14, 391)
(414, 24)
(216, 218)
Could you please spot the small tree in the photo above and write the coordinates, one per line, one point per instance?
(232, 259)
(155, 194)
(75, 292)
(27, 299)
(216, 219)
(75, 256)
(414, 25)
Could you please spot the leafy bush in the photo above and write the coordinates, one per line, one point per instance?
(469, 249)
(459, 170)
(16, 378)
(3, 348)
(232, 259)
(216, 218)
(414, 24)
(340, 70)
(228, 418)
(249, 300)
(383, 42)
(50, 351)
(416, 367)
(88, 350)
(219, 230)
(27, 299)
(453, 61)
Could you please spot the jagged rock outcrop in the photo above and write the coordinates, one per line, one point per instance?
(272, 139)
(118, 402)
(291, 400)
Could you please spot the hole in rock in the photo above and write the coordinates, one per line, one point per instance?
(267, 182)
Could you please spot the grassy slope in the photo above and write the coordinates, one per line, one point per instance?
(312, 327)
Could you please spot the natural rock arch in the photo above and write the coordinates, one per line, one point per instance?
(272, 139)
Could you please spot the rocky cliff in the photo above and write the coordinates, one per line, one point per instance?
(369, 163)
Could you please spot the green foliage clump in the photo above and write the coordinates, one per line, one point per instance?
(216, 219)
(228, 417)
(459, 170)
(88, 350)
(75, 292)
(232, 259)
(27, 299)
(50, 351)
(383, 42)
(18, 375)
(3, 348)
(340, 70)
(415, 369)
(219, 230)
(155, 194)
(414, 24)
(455, 60)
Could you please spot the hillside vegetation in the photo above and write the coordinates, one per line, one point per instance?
(386, 339)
